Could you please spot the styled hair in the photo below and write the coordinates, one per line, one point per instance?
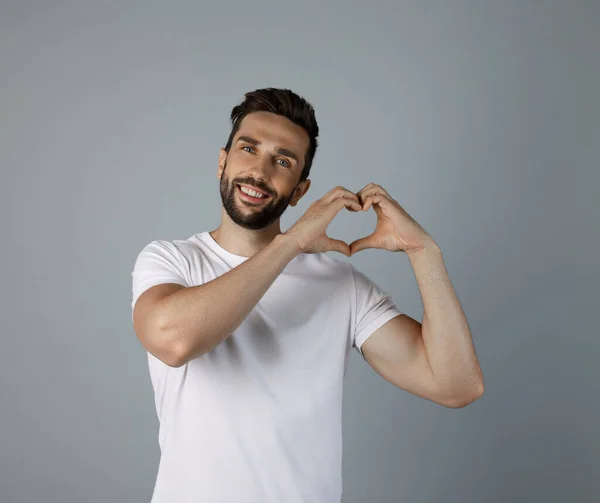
(281, 102)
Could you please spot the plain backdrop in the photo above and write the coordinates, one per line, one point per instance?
(481, 118)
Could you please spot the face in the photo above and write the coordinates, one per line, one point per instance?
(267, 156)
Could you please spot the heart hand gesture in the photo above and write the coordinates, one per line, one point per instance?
(396, 230)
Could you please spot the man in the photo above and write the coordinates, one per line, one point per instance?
(248, 329)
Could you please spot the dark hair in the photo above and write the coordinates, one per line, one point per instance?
(281, 102)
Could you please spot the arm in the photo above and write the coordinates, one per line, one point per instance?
(187, 322)
(435, 360)
(445, 330)
(177, 324)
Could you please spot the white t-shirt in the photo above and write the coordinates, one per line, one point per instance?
(258, 419)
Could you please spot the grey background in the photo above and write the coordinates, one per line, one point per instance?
(480, 118)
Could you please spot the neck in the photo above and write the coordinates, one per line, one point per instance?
(243, 242)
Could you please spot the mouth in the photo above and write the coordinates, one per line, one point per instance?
(252, 199)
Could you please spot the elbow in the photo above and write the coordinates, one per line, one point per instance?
(167, 346)
(466, 399)
(174, 348)
(161, 338)
(173, 358)
(171, 351)
(166, 352)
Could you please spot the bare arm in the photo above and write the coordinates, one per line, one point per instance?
(177, 324)
(192, 321)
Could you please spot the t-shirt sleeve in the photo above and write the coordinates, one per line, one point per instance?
(158, 262)
(373, 308)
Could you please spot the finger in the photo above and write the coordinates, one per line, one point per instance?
(339, 192)
(371, 200)
(375, 187)
(325, 199)
(338, 246)
(366, 187)
(362, 244)
(334, 207)
(350, 203)
(328, 195)
(332, 192)
(370, 190)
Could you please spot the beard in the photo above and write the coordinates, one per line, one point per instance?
(257, 217)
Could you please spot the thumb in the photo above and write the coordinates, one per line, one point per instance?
(339, 246)
(361, 244)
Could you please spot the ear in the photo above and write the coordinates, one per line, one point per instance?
(221, 163)
(300, 191)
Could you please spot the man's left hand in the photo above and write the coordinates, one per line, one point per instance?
(396, 230)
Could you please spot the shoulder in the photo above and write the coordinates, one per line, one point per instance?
(179, 251)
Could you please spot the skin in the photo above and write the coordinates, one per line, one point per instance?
(247, 228)
(434, 359)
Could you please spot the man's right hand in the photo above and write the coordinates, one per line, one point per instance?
(309, 232)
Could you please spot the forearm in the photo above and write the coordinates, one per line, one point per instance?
(197, 319)
(446, 335)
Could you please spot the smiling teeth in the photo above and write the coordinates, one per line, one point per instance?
(252, 193)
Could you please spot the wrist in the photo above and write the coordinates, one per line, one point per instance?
(288, 245)
(430, 247)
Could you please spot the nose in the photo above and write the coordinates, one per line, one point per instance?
(261, 171)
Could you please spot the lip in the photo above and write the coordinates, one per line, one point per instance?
(249, 198)
(253, 188)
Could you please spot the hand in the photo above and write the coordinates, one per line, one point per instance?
(396, 230)
(309, 231)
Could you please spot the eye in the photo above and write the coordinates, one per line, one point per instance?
(287, 164)
(246, 146)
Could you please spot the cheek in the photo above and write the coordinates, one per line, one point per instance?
(237, 166)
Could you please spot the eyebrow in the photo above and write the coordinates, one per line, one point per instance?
(282, 151)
